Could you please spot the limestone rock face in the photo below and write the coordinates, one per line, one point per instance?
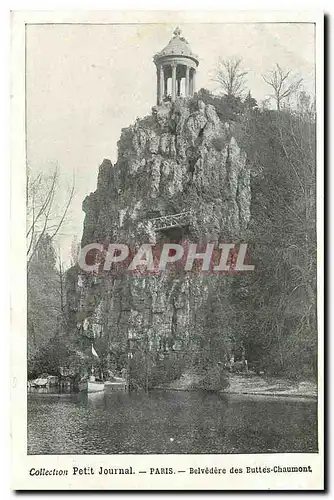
(180, 158)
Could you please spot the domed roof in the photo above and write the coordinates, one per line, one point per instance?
(177, 46)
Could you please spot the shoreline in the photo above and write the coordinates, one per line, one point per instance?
(291, 397)
(252, 385)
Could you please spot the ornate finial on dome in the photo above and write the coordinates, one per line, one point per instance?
(177, 31)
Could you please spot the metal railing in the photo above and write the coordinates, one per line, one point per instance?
(168, 221)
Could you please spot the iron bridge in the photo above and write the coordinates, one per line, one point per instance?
(168, 221)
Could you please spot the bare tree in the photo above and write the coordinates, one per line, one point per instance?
(230, 76)
(282, 83)
(43, 214)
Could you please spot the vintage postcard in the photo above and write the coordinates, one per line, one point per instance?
(167, 251)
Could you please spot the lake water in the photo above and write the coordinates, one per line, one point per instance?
(168, 422)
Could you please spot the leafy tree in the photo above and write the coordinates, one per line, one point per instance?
(44, 306)
(55, 353)
(228, 107)
(250, 104)
(278, 313)
(214, 324)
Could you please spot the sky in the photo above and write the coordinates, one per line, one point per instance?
(84, 83)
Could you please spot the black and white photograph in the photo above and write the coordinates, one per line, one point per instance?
(171, 302)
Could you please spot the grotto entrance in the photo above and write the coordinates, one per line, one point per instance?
(173, 234)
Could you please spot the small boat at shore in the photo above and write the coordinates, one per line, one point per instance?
(90, 384)
(93, 385)
(39, 383)
(43, 381)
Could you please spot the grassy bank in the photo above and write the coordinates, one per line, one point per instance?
(250, 384)
(270, 386)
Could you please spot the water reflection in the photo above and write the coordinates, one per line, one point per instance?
(168, 422)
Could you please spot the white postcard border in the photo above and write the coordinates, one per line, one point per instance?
(21, 463)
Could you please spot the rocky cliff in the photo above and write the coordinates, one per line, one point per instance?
(181, 158)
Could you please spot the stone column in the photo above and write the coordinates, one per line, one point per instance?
(165, 85)
(158, 87)
(173, 82)
(193, 80)
(190, 83)
(161, 84)
(187, 82)
(179, 86)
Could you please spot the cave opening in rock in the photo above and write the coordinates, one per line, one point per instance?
(173, 234)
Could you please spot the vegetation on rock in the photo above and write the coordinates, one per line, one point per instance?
(247, 174)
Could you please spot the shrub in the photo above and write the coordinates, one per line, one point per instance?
(214, 378)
